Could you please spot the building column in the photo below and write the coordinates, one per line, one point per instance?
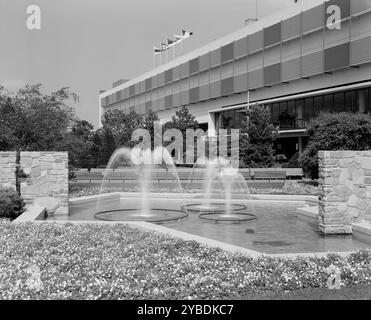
(211, 125)
(300, 141)
(362, 101)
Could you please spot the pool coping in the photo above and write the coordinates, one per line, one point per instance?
(146, 226)
(360, 230)
(182, 196)
(33, 213)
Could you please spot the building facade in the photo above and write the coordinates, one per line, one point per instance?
(309, 58)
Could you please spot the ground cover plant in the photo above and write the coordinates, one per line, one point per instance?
(290, 188)
(66, 261)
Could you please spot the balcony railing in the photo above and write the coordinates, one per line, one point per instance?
(291, 124)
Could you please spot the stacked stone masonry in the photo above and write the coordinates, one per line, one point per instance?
(47, 175)
(345, 184)
(7, 169)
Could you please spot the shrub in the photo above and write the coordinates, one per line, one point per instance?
(11, 204)
(335, 131)
(71, 173)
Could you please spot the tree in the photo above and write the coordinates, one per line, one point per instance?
(103, 146)
(183, 120)
(148, 123)
(335, 131)
(79, 143)
(34, 121)
(122, 125)
(83, 129)
(256, 139)
(114, 120)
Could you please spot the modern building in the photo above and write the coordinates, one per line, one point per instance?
(313, 56)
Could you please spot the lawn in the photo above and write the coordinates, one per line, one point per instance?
(123, 262)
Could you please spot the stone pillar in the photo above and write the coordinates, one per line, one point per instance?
(7, 169)
(345, 184)
(47, 177)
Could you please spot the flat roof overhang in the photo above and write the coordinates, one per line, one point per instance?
(295, 96)
(295, 133)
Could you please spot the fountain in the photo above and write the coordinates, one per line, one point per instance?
(138, 170)
(224, 195)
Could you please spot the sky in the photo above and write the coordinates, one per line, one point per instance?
(86, 45)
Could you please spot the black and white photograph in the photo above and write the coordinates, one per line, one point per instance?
(185, 156)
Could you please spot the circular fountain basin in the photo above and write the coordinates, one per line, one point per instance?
(154, 215)
(234, 217)
(212, 208)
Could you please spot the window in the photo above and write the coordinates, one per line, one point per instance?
(308, 109)
(339, 103)
(286, 119)
(351, 101)
(318, 105)
(328, 104)
(291, 108)
(275, 112)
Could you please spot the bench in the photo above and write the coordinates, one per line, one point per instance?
(270, 175)
(259, 178)
(92, 176)
(269, 179)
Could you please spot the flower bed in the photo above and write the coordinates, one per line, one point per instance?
(290, 187)
(122, 262)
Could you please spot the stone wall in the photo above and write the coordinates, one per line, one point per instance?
(7, 169)
(47, 181)
(345, 184)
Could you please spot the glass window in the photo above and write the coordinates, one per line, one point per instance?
(234, 118)
(285, 119)
(308, 109)
(291, 107)
(283, 106)
(339, 102)
(275, 112)
(351, 101)
(228, 119)
(299, 105)
(318, 105)
(328, 103)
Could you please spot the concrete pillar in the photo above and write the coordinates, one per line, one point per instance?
(300, 145)
(362, 101)
(211, 125)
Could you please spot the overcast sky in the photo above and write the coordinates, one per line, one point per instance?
(88, 44)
